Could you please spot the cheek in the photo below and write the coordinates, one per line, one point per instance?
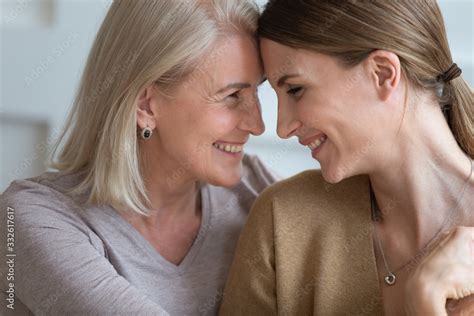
(349, 136)
(312, 110)
(203, 130)
(218, 124)
(349, 153)
(181, 134)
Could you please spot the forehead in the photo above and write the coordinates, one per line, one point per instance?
(234, 58)
(239, 54)
(280, 60)
(272, 50)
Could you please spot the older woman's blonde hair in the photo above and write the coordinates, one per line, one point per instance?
(139, 43)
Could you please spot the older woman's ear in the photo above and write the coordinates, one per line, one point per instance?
(147, 108)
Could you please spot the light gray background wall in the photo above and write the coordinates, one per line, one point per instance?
(43, 48)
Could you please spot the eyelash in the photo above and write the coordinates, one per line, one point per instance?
(234, 95)
(294, 91)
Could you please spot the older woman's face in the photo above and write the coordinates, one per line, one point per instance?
(333, 110)
(205, 122)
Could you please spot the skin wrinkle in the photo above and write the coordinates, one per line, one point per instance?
(187, 120)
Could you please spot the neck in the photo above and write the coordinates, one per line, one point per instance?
(418, 190)
(173, 194)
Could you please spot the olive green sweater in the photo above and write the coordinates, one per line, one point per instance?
(306, 249)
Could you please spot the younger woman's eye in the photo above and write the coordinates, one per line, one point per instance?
(296, 91)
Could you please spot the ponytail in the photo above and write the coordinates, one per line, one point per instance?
(461, 113)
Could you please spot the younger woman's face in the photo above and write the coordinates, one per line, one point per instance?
(336, 111)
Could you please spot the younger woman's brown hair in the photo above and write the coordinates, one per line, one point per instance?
(350, 29)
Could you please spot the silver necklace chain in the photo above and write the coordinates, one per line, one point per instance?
(391, 277)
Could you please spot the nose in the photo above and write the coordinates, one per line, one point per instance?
(252, 120)
(288, 124)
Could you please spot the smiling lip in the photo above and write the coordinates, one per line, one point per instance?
(307, 141)
(315, 143)
(230, 148)
(316, 151)
(230, 143)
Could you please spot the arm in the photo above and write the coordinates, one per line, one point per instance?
(250, 288)
(57, 269)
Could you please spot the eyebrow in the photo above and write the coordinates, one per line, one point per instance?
(234, 86)
(239, 85)
(283, 79)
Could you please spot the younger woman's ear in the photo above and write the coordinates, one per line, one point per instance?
(385, 71)
(147, 108)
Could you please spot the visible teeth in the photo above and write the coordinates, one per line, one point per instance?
(317, 143)
(229, 148)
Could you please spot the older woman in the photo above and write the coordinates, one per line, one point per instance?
(152, 188)
(363, 84)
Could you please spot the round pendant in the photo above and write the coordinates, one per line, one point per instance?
(390, 279)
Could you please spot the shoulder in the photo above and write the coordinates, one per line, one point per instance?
(303, 214)
(311, 183)
(29, 191)
(42, 202)
(308, 195)
(49, 188)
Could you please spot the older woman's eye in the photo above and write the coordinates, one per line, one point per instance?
(295, 92)
(232, 99)
(234, 95)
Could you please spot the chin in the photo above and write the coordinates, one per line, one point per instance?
(225, 178)
(330, 178)
(226, 183)
(334, 174)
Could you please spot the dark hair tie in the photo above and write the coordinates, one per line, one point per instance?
(453, 72)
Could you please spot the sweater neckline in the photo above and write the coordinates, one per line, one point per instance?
(194, 250)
